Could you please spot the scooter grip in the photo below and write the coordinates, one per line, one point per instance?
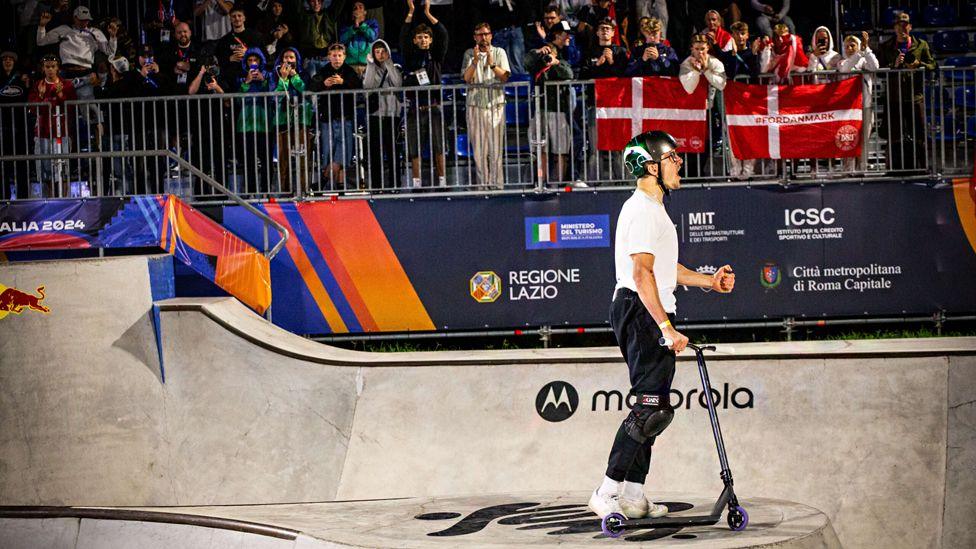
(665, 342)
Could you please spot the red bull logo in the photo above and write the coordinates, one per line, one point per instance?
(15, 301)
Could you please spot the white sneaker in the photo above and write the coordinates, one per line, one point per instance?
(604, 505)
(641, 508)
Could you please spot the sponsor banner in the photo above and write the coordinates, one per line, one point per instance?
(838, 250)
(576, 231)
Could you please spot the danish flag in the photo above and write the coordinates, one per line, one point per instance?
(802, 121)
(626, 107)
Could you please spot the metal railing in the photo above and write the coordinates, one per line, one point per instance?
(438, 139)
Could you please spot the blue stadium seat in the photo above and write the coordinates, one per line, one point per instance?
(951, 42)
(518, 91)
(960, 68)
(940, 16)
(964, 97)
(517, 113)
(921, 36)
(463, 147)
(969, 9)
(889, 14)
(959, 61)
(856, 18)
(971, 127)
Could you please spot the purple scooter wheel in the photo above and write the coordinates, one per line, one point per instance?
(611, 525)
(738, 519)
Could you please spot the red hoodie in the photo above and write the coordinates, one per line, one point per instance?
(54, 95)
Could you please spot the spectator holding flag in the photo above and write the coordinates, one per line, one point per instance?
(784, 55)
(719, 39)
(858, 57)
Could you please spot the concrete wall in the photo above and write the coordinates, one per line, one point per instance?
(879, 435)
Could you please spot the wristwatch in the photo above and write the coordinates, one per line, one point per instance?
(492, 67)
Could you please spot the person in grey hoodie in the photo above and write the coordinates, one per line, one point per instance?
(384, 115)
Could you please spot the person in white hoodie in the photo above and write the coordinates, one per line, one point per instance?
(858, 57)
(822, 55)
(697, 65)
(384, 112)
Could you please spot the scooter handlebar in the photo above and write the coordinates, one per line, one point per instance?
(667, 342)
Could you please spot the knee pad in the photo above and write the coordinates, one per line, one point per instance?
(648, 418)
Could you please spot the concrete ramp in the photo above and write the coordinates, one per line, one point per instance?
(498, 521)
(877, 434)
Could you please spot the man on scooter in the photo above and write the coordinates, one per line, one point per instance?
(647, 272)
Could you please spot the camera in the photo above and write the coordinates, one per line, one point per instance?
(212, 69)
(547, 59)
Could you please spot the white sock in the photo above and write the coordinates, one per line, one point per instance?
(609, 486)
(442, 181)
(416, 182)
(632, 490)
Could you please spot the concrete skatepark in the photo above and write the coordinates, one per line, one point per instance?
(263, 436)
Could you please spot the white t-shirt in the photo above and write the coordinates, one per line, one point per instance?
(214, 22)
(644, 227)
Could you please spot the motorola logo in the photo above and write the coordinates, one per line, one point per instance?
(556, 401)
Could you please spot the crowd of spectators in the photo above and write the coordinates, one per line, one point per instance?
(56, 51)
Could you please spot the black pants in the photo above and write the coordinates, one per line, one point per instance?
(651, 373)
(382, 141)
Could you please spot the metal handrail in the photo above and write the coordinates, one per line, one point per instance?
(183, 164)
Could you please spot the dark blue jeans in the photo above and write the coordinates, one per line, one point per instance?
(511, 40)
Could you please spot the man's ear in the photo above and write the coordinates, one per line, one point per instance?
(652, 168)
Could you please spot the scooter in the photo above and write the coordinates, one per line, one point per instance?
(615, 524)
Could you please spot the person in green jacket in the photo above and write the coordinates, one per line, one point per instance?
(292, 119)
(358, 34)
(905, 122)
(316, 30)
(253, 147)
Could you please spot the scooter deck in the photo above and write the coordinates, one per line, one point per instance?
(669, 522)
(690, 520)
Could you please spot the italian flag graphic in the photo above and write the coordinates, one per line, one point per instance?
(544, 232)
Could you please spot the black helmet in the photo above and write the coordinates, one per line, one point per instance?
(650, 146)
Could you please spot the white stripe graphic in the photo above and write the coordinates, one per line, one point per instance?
(772, 108)
(794, 119)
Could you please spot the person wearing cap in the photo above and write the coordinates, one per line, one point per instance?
(78, 43)
(904, 122)
(904, 51)
(641, 314)
(552, 18)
